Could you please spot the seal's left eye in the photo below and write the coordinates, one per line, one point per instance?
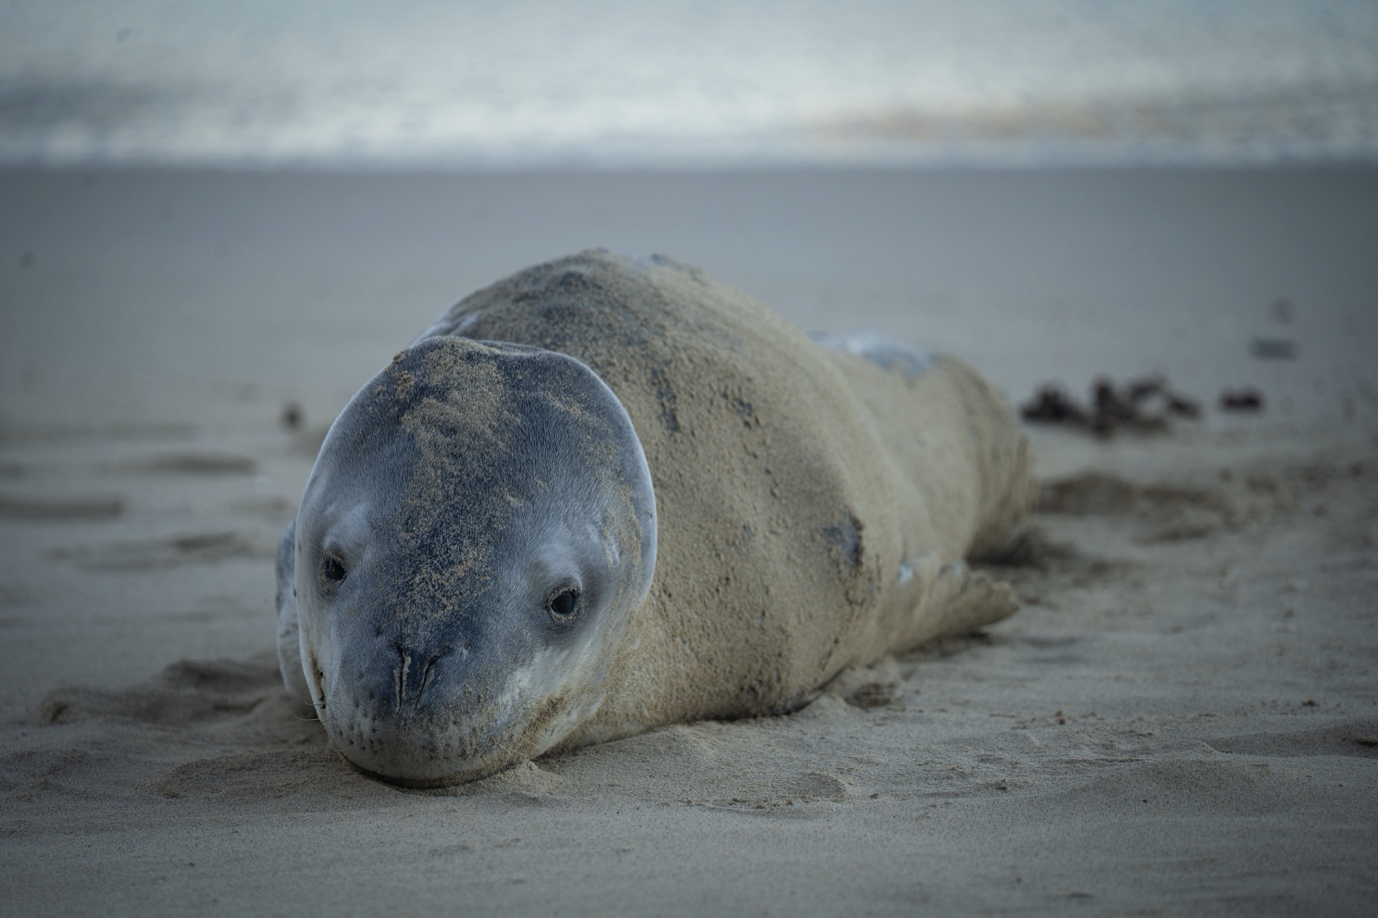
(333, 569)
(563, 604)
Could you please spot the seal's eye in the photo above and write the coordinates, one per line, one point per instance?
(563, 603)
(333, 569)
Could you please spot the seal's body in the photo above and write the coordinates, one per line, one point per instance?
(606, 494)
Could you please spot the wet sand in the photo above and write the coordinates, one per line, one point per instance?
(1183, 716)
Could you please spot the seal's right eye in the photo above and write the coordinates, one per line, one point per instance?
(333, 569)
(563, 604)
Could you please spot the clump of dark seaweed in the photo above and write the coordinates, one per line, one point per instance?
(1144, 405)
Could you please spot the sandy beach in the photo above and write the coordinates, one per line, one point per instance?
(1182, 718)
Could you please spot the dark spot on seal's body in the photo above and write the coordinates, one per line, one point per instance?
(665, 397)
(845, 539)
(571, 282)
(575, 281)
(742, 407)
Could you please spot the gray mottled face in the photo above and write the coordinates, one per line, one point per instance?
(478, 527)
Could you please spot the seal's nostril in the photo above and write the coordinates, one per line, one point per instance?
(426, 673)
(316, 675)
(413, 674)
(400, 675)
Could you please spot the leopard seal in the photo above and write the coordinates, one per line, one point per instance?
(606, 494)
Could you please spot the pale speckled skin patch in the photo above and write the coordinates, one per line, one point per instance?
(879, 348)
(746, 513)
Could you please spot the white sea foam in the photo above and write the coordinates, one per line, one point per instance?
(681, 83)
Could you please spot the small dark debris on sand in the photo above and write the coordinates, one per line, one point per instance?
(1142, 405)
(1245, 399)
(292, 415)
(79, 508)
(1273, 349)
(197, 463)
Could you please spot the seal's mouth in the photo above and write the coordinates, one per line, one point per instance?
(465, 777)
(430, 749)
(422, 769)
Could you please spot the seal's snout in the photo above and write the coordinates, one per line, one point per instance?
(414, 674)
(415, 715)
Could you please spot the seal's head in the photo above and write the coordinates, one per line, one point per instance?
(476, 532)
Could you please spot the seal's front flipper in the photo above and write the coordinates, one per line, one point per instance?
(289, 632)
(977, 600)
(956, 600)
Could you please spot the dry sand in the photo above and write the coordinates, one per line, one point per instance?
(1184, 716)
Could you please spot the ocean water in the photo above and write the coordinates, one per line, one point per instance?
(686, 83)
